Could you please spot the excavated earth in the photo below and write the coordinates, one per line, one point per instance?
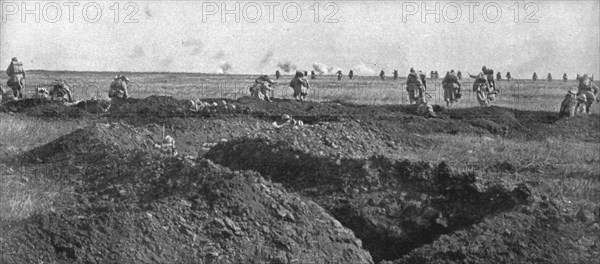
(336, 190)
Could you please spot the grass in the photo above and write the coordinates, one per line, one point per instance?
(561, 168)
(25, 191)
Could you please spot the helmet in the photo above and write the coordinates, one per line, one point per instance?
(286, 117)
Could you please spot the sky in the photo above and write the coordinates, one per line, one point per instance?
(203, 36)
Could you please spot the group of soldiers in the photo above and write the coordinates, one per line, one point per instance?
(263, 85)
(59, 91)
(484, 86)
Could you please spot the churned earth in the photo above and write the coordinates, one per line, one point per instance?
(348, 186)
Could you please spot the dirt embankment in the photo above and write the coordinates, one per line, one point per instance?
(136, 205)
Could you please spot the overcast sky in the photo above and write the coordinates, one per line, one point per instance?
(191, 36)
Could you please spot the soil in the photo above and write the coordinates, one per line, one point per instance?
(336, 190)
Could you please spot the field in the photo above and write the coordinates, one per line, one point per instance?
(364, 180)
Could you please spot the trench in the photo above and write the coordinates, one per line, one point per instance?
(393, 206)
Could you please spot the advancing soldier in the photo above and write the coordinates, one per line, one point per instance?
(118, 88)
(459, 75)
(534, 77)
(451, 88)
(313, 75)
(414, 86)
(508, 77)
(589, 89)
(498, 76)
(569, 105)
(549, 77)
(382, 75)
(351, 74)
(16, 74)
(339, 75)
(60, 90)
(305, 73)
(423, 78)
(277, 74)
(489, 75)
(565, 78)
(481, 89)
(261, 88)
(300, 86)
(395, 73)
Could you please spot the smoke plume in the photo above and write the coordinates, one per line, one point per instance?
(286, 66)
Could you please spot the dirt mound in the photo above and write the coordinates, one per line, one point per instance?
(92, 142)
(158, 107)
(43, 108)
(138, 206)
(393, 206)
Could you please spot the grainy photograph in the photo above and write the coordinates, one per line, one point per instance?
(293, 132)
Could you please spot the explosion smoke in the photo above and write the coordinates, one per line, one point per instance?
(286, 66)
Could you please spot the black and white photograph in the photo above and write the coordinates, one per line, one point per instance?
(299, 132)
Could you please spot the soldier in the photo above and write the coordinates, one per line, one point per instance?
(565, 78)
(489, 75)
(60, 90)
(498, 76)
(432, 75)
(382, 75)
(313, 75)
(339, 75)
(305, 73)
(481, 88)
(569, 105)
(437, 75)
(589, 89)
(351, 74)
(395, 75)
(423, 81)
(118, 88)
(261, 88)
(414, 86)
(508, 77)
(549, 77)
(277, 74)
(451, 87)
(459, 75)
(578, 77)
(534, 77)
(16, 75)
(300, 86)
